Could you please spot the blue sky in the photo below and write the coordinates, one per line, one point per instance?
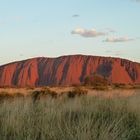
(50, 28)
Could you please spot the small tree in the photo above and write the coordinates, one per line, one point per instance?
(87, 80)
(96, 80)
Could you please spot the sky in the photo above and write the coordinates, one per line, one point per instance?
(51, 28)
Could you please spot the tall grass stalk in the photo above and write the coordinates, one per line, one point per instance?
(80, 118)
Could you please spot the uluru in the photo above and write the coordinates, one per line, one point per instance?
(68, 70)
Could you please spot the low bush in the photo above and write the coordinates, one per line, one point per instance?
(97, 81)
(44, 92)
(77, 91)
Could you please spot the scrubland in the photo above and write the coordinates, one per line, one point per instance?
(73, 115)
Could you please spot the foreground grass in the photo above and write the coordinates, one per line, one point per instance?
(80, 118)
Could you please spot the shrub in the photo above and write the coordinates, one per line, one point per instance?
(44, 92)
(97, 81)
(77, 91)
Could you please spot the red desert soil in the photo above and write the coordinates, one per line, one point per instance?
(67, 70)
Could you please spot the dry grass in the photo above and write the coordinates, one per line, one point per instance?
(80, 118)
(111, 92)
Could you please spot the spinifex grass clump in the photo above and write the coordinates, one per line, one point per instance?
(81, 118)
(45, 92)
(77, 91)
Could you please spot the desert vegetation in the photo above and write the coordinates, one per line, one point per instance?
(76, 92)
(98, 81)
(78, 118)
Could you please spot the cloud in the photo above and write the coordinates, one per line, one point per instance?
(118, 39)
(88, 33)
(136, 0)
(2, 22)
(75, 16)
(110, 30)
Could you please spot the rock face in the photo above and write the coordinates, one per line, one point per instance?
(68, 70)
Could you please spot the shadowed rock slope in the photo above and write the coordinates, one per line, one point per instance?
(68, 70)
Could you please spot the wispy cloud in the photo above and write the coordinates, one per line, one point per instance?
(75, 16)
(115, 53)
(88, 33)
(110, 30)
(118, 39)
(136, 0)
(2, 22)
